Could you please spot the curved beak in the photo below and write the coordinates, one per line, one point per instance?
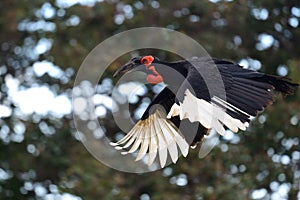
(125, 68)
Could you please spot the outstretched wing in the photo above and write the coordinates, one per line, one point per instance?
(155, 134)
(222, 94)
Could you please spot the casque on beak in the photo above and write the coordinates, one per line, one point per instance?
(125, 68)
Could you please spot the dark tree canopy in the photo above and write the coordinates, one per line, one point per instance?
(42, 45)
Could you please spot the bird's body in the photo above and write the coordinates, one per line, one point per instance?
(200, 94)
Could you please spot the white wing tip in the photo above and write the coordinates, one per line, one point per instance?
(113, 143)
(185, 152)
(222, 133)
(118, 147)
(156, 137)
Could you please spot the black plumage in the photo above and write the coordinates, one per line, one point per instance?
(235, 92)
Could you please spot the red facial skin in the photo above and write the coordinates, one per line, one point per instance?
(155, 77)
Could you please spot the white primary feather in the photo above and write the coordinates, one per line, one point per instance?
(210, 115)
(228, 105)
(169, 140)
(153, 147)
(162, 146)
(154, 136)
(144, 146)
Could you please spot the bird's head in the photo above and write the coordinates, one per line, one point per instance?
(148, 62)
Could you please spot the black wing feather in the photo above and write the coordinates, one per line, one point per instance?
(247, 90)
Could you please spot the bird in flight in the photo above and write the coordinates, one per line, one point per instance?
(201, 94)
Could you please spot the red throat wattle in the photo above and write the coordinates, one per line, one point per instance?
(154, 77)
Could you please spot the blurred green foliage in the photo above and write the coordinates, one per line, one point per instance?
(265, 161)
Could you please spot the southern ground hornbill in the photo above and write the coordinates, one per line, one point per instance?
(201, 94)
